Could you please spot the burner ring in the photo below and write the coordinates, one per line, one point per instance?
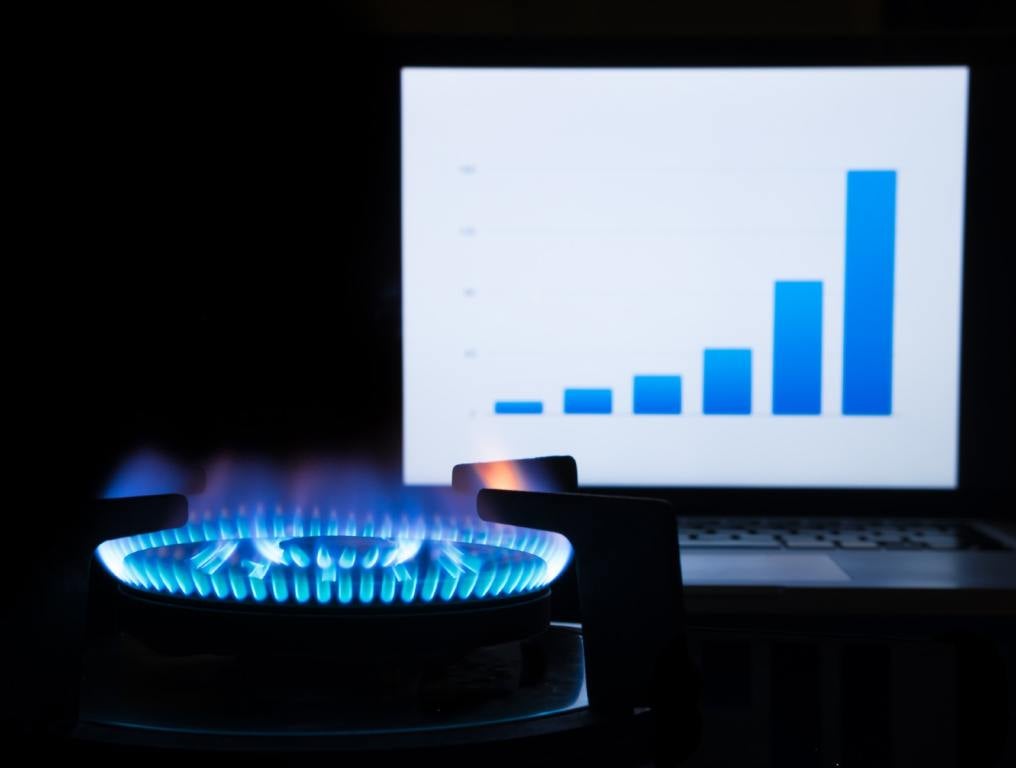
(320, 561)
(174, 625)
(335, 570)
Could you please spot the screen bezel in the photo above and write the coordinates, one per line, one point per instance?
(983, 483)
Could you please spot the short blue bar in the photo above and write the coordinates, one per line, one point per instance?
(588, 401)
(797, 348)
(657, 394)
(518, 406)
(868, 293)
(727, 381)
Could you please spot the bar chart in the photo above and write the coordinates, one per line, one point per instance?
(719, 278)
(797, 334)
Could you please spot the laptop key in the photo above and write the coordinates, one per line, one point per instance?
(887, 537)
(795, 542)
(942, 542)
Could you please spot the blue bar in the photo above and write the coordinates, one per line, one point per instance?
(657, 394)
(797, 348)
(727, 381)
(518, 406)
(868, 299)
(588, 401)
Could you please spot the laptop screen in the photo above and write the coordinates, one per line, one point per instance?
(685, 277)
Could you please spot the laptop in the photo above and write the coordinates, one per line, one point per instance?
(741, 288)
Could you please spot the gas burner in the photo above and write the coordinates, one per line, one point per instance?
(377, 634)
(336, 563)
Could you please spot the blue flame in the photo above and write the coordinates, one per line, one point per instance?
(343, 570)
(298, 556)
(149, 472)
(342, 537)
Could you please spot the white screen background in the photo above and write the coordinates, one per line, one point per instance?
(575, 227)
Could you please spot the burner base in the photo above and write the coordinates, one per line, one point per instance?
(172, 626)
(506, 694)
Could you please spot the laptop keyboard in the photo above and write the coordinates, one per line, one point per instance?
(711, 533)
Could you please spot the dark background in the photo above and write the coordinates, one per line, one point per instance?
(216, 268)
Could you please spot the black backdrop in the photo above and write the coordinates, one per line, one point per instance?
(234, 283)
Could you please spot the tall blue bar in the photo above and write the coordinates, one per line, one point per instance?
(797, 348)
(588, 401)
(657, 394)
(518, 406)
(868, 298)
(727, 381)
